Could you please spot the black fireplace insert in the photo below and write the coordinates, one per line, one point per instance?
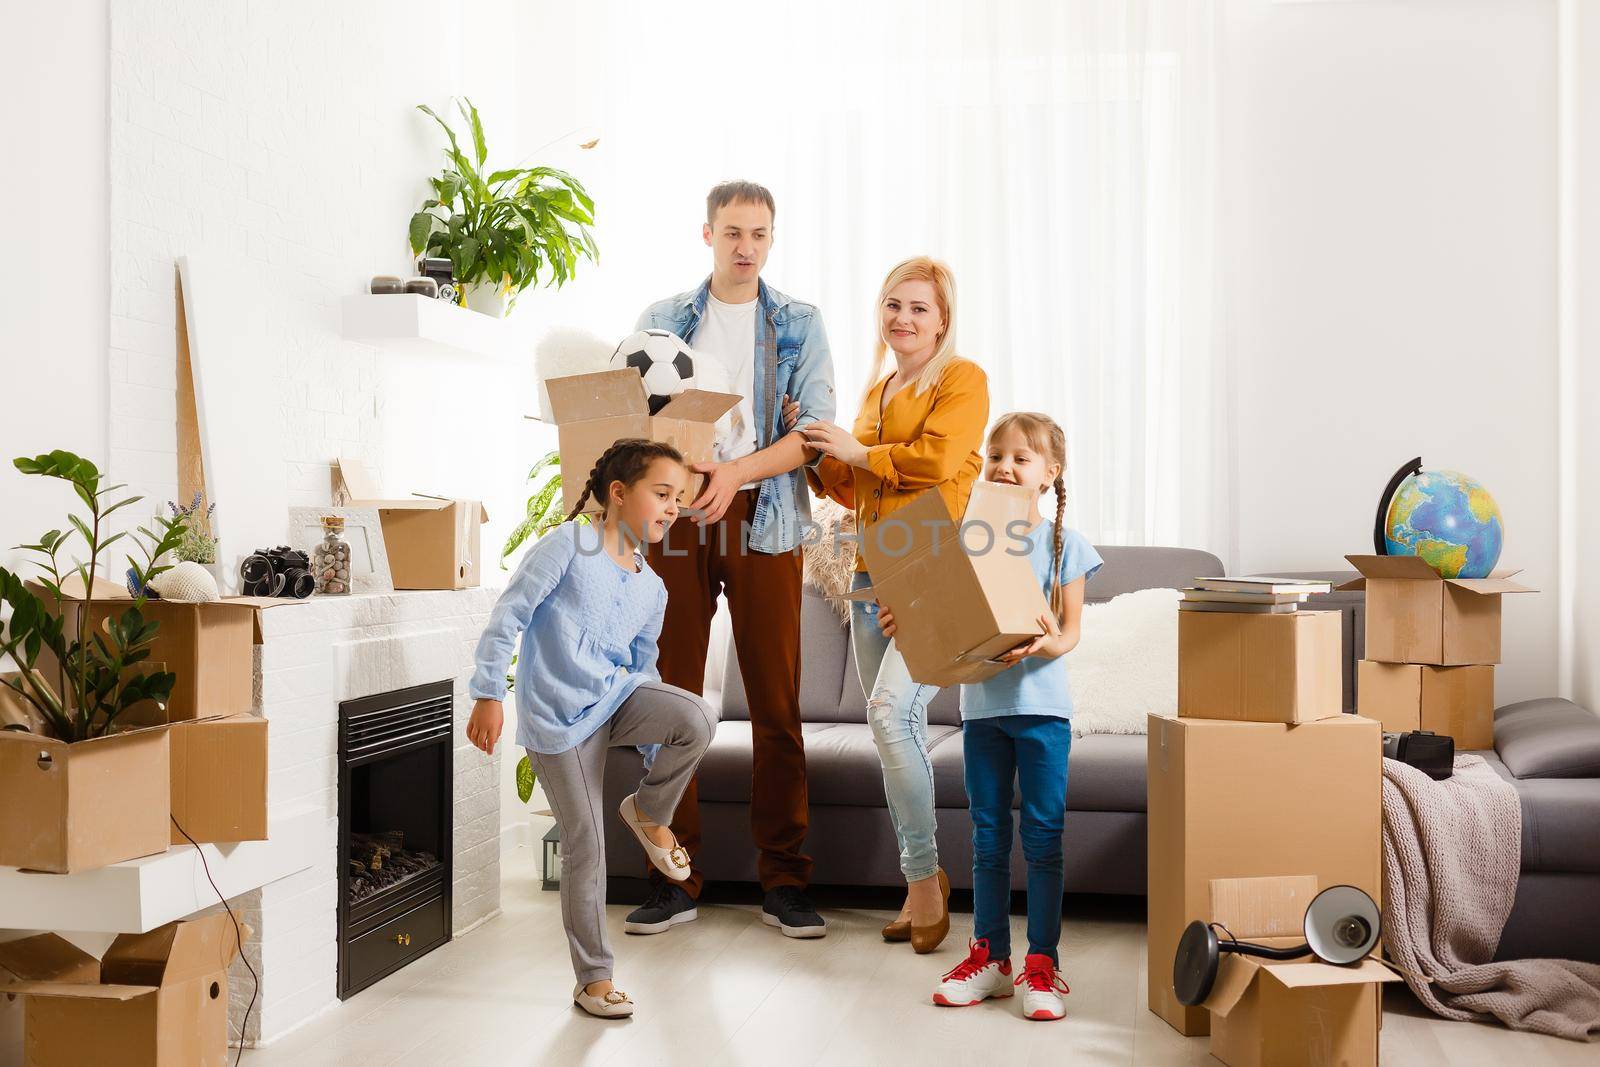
(396, 786)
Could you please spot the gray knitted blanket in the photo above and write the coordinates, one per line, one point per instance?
(1452, 851)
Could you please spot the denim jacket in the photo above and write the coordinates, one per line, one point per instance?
(792, 358)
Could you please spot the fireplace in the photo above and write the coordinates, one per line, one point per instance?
(395, 791)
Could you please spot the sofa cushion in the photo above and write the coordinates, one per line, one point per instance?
(823, 647)
(1105, 772)
(1560, 821)
(1548, 738)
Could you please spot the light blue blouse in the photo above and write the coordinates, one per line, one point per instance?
(1036, 686)
(589, 630)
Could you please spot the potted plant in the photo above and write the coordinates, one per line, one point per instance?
(506, 230)
(544, 507)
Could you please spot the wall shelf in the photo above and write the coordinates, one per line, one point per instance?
(423, 324)
(142, 894)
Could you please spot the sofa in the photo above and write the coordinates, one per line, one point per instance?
(853, 844)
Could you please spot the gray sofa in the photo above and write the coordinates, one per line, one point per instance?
(853, 844)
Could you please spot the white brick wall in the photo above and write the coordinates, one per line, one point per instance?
(313, 656)
(280, 138)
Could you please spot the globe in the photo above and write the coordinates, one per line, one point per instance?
(1448, 519)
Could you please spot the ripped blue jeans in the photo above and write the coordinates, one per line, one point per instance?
(897, 710)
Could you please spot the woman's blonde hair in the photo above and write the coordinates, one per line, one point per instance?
(1046, 437)
(937, 274)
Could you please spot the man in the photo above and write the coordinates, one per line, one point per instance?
(744, 544)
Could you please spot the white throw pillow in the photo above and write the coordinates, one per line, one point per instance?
(1126, 663)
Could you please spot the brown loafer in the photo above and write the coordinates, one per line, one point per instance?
(897, 931)
(925, 939)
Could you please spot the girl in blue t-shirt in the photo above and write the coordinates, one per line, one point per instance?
(1017, 726)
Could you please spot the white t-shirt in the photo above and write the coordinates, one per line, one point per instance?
(728, 333)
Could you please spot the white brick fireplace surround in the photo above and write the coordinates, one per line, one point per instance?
(313, 656)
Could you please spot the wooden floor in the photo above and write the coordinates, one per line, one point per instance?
(729, 990)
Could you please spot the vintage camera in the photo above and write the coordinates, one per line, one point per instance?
(441, 270)
(280, 572)
(1432, 754)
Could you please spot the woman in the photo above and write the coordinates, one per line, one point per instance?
(920, 427)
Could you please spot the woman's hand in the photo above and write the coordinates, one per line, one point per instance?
(483, 728)
(791, 415)
(1047, 645)
(886, 621)
(836, 441)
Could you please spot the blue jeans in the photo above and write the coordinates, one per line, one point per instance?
(1032, 749)
(897, 709)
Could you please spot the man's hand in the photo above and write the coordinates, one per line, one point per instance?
(483, 728)
(722, 482)
(1046, 646)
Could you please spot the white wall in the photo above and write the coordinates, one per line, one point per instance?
(53, 284)
(1388, 256)
(1586, 575)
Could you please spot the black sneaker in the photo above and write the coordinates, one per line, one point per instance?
(664, 908)
(790, 910)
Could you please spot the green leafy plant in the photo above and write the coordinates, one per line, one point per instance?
(545, 511)
(525, 775)
(197, 546)
(506, 227)
(96, 679)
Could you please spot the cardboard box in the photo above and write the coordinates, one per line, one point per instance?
(156, 1000)
(1415, 616)
(594, 411)
(74, 807)
(210, 647)
(957, 603)
(41, 958)
(1458, 701)
(1301, 1012)
(1258, 667)
(219, 780)
(1253, 799)
(432, 542)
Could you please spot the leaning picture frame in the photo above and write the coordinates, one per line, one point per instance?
(363, 532)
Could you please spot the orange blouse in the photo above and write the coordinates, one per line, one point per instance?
(922, 441)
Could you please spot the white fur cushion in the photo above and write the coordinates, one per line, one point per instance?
(1126, 663)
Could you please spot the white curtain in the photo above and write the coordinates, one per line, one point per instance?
(1057, 153)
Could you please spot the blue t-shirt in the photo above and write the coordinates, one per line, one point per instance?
(1036, 686)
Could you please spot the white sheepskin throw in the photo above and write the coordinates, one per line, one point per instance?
(1126, 663)
(565, 351)
(187, 583)
(830, 564)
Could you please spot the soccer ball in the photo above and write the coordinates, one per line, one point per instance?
(662, 358)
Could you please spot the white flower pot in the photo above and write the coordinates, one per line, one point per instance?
(486, 299)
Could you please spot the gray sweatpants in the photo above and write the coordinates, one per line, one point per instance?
(656, 714)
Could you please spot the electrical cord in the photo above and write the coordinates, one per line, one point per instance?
(238, 934)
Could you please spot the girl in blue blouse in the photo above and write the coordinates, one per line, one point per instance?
(589, 610)
(1017, 726)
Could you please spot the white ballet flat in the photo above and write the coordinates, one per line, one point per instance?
(672, 862)
(613, 1005)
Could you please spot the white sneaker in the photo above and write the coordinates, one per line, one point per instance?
(1043, 989)
(974, 979)
(613, 1005)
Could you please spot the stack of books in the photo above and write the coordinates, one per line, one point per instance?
(1251, 594)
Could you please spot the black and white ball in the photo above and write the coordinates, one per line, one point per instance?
(663, 359)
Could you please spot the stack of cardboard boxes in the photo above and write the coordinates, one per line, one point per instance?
(1432, 644)
(1262, 776)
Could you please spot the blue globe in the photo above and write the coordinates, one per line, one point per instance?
(1449, 520)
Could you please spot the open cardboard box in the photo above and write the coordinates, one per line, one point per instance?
(1268, 1013)
(1458, 701)
(74, 807)
(1416, 616)
(219, 780)
(209, 646)
(1264, 668)
(1252, 799)
(158, 999)
(433, 542)
(958, 601)
(594, 411)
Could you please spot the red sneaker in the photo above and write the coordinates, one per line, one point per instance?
(974, 979)
(1045, 988)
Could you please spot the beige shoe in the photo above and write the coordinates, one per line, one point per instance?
(672, 862)
(614, 1005)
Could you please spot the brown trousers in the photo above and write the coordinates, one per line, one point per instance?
(697, 563)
